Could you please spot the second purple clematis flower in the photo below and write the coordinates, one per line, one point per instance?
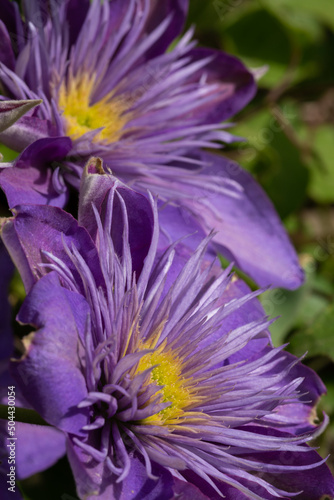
(110, 85)
(157, 367)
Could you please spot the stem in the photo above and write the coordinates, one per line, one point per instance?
(22, 415)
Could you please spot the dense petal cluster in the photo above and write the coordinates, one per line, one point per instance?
(157, 366)
(113, 85)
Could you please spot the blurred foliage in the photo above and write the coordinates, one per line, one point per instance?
(289, 148)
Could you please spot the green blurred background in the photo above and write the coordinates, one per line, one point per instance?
(290, 151)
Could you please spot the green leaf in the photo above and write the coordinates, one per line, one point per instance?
(286, 305)
(8, 154)
(321, 187)
(16, 289)
(286, 177)
(318, 339)
(321, 9)
(300, 23)
(260, 39)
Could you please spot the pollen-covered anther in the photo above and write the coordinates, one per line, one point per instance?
(175, 389)
(81, 115)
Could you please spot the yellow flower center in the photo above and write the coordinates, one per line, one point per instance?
(81, 116)
(176, 390)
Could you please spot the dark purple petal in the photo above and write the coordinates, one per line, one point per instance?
(49, 373)
(12, 111)
(185, 490)
(53, 227)
(7, 15)
(39, 447)
(228, 491)
(76, 11)
(6, 52)
(178, 10)
(249, 230)
(29, 180)
(95, 188)
(5, 493)
(315, 483)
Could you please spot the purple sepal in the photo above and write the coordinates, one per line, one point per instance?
(96, 185)
(176, 222)
(49, 372)
(12, 111)
(249, 231)
(26, 131)
(300, 416)
(317, 483)
(30, 179)
(14, 248)
(39, 448)
(54, 227)
(94, 480)
(236, 85)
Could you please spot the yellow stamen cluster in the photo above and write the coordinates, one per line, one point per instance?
(167, 372)
(81, 116)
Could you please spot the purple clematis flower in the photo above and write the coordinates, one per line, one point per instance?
(157, 366)
(109, 84)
